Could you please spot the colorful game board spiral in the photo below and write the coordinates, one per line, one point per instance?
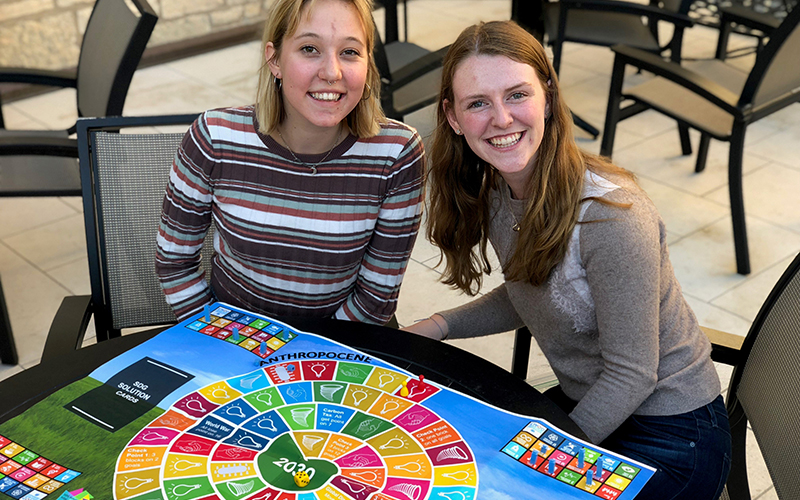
(357, 432)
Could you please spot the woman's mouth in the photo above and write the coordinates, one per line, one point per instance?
(505, 141)
(325, 96)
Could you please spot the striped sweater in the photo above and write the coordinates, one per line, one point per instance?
(288, 242)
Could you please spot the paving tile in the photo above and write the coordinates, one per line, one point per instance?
(704, 261)
(747, 298)
(21, 214)
(51, 245)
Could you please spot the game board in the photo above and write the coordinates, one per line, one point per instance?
(243, 403)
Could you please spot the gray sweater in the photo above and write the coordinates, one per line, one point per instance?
(611, 319)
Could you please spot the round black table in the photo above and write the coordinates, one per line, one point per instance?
(438, 361)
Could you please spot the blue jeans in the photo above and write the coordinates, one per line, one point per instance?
(691, 451)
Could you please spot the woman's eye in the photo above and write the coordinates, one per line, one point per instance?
(351, 52)
(308, 49)
(518, 95)
(475, 105)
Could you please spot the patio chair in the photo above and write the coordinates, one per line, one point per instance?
(715, 98)
(43, 163)
(410, 76)
(123, 177)
(764, 392)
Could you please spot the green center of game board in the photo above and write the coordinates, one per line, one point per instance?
(282, 460)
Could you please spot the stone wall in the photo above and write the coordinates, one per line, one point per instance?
(47, 33)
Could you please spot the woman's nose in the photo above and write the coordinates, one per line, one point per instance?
(502, 116)
(331, 70)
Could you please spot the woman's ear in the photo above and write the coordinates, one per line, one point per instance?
(272, 60)
(451, 116)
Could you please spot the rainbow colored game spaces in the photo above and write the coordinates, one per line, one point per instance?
(25, 475)
(557, 455)
(300, 430)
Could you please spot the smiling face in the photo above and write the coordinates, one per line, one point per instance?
(501, 107)
(322, 66)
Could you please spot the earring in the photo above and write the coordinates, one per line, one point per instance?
(458, 131)
(278, 83)
(369, 92)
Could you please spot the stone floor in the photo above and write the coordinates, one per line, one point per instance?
(43, 252)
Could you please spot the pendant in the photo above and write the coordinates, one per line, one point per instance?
(515, 227)
(314, 170)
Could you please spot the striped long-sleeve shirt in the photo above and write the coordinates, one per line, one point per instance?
(289, 242)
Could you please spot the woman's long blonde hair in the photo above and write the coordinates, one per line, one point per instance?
(460, 182)
(365, 119)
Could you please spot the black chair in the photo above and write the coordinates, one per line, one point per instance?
(410, 76)
(43, 163)
(715, 98)
(611, 22)
(123, 177)
(391, 28)
(764, 393)
(8, 349)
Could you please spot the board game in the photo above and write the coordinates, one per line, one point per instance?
(229, 405)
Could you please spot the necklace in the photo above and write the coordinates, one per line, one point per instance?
(298, 160)
(507, 206)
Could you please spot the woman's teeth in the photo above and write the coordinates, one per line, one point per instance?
(326, 96)
(505, 141)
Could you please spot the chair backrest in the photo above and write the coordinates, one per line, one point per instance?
(115, 38)
(766, 385)
(776, 71)
(123, 176)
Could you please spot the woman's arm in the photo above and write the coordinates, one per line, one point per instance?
(374, 298)
(486, 315)
(185, 219)
(622, 257)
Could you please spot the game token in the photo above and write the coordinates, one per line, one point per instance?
(581, 458)
(551, 466)
(236, 334)
(404, 390)
(207, 312)
(543, 450)
(589, 477)
(421, 382)
(263, 348)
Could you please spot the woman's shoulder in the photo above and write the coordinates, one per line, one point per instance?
(618, 187)
(240, 114)
(396, 131)
(619, 206)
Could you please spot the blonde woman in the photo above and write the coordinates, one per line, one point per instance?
(315, 195)
(585, 262)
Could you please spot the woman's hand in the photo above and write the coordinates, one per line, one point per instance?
(434, 328)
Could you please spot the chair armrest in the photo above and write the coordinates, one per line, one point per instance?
(748, 17)
(725, 347)
(702, 86)
(39, 77)
(68, 327)
(680, 20)
(38, 145)
(419, 67)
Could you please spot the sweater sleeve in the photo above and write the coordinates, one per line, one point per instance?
(621, 254)
(486, 315)
(185, 219)
(374, 297)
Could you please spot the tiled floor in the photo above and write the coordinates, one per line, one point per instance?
(43, 254)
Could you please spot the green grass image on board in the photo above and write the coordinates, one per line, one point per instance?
(88, 449)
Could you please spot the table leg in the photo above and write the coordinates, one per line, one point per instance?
(8, 350)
